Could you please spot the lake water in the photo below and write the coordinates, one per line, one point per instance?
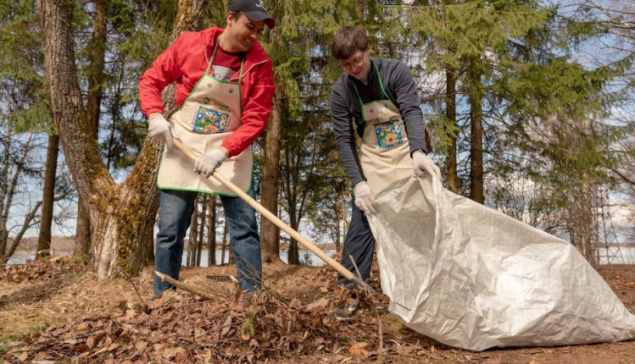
(623, 255)
(306, 258)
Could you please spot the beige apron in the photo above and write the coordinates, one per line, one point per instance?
(384, 151)
(211, 113)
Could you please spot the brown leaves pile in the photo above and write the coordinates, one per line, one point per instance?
(182, 328)
(41, 270)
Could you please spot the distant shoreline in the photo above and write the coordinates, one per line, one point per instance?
(67, 244)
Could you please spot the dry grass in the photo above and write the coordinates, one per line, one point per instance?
(57, 298)
(29, 306)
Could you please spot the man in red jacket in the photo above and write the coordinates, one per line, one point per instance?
(224, 91)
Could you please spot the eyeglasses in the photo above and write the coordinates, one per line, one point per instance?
(356, 63)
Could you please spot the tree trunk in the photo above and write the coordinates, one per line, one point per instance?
(346, 201)
(222, 258)
(269, 232)
(191, 241)
(82, 230)
(476, 146)
(201, 232)
(292, 253)
(48, 194)
(125, 228)
(450, 113)
(122, 216)
(96, 79)
(211, 235)
(4, 190)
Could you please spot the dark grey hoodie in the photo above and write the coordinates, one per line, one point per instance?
(346, 110)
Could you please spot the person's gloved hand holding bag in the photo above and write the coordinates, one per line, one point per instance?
(364, 198)
(423, 164)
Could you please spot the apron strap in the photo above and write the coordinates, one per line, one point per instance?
(381, 85)
(240, 73)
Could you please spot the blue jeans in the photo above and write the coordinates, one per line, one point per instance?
(176, 209)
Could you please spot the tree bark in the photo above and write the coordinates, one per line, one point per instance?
(4, 189)
(193, 236)
(293, 256)
(122, 216)
(201, 233)
(290, 182)
(211, 235)
(48, 194)
(476, 145)
(82, 230)
(269, 232)
(450, 113)
(96, 79)
(224, 245)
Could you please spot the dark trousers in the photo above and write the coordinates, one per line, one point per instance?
(359, 244)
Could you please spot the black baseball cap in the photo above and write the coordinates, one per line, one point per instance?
(253, 9)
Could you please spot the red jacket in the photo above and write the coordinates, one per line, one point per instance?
(185, 62)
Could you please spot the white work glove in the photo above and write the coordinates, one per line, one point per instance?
(161, 129)
(208, 162)
(364, 198)
(423, 164)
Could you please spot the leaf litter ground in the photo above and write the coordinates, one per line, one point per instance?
(54, 311)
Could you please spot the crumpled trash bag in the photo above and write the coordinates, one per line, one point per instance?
(473, 278)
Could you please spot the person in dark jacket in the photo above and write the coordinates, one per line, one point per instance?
(375, 99)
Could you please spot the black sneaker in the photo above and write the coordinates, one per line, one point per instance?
(347, 310)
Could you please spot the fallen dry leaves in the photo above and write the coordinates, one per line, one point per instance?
(291, 321)
(41, 270)
(183, 328)
(358, 350)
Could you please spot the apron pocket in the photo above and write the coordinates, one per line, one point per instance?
(389, 134)
(210, 121)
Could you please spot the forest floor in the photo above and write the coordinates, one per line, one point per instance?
(57, 312)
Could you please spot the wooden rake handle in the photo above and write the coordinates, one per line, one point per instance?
(279, 223)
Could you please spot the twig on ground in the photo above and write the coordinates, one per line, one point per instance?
(129, 279)
(379, 329)
(185, 287)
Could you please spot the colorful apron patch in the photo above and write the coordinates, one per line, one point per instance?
(210, 121)
(389, 134)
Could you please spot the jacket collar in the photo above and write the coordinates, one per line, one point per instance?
(254, 56)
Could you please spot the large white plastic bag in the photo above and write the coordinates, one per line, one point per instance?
(473, 278)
